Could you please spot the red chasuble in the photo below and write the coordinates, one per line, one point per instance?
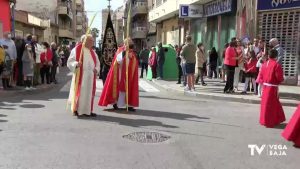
(292, 130)
(79, 83)
(271, 112)
(116, 81)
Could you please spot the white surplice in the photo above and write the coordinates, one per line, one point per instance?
(86, 92)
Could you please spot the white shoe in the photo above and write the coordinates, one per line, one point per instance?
(27, 88)
(32, 88)
(193, 90)
(187, 88)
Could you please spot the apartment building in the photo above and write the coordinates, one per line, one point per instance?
(117, 19)
(81, 19)
(139, 27)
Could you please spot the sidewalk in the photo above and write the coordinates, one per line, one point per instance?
(289, 95)
(19, 90)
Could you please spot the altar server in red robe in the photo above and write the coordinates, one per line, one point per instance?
(271, 112)
(292, 130)
(114, 91)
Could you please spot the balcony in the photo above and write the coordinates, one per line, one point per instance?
(79, 2)
(79, 20)
(65, 33)
(139, 8)
(64, 11)
(139, 32)
(79, 27)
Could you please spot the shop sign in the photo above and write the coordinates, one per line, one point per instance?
(190, 11)
(277, 4)
(218, 7)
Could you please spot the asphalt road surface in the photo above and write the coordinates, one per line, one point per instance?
(168, 131)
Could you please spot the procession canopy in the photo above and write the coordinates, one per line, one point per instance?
(109, 46)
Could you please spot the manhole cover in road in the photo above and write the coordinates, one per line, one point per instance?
(147, 137)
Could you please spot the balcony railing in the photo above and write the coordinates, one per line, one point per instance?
(64, 9)
(139, 8)
(65, 33)
(139, 32)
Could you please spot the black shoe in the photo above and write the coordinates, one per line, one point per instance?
(131, 109)
(178, 83)
(115, 106)
(204, 84)
(93, 114)
(244, 92)
(75, 113)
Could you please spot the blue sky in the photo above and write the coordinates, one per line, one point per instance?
(98, 5)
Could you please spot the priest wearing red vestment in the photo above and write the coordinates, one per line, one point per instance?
(292, 130)
(114, 91)
(271, 74)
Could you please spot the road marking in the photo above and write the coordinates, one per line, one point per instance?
(147, 87)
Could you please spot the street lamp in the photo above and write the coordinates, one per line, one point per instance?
(12, 4)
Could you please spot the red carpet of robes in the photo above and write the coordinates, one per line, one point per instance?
(112, 86)
(271, 112)
(292, 130)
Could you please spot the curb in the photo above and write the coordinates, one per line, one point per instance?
(22, 92)
(222, 98)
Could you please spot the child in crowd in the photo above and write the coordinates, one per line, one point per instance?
(7, 69)
(250, 71)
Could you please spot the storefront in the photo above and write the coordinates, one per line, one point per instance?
(220, 23)
(281, 19)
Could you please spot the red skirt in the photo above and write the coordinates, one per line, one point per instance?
(292, 130)
(271, 112)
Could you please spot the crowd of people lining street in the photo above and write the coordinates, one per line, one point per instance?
(26, 62)
(241, 61)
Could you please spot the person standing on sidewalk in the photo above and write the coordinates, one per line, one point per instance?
(12, 51)
(46, 60)
(161, 60)
(223, 59)
(230, 62)
(188, 53)
(213, 63)
(178, 61)
(200, 60)
(240, 64)
(183, 67)
(7, 69)
(55, 60)
(250, 72)
(28, 64)
(271, 112)
(274, 44)
(153, 62)
(36, 50)
(144, 55)
(20, 45)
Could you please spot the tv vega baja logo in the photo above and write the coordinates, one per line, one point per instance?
(270, 150)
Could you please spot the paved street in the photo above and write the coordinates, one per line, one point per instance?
(37, 132)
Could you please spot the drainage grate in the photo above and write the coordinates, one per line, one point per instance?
(147, 137)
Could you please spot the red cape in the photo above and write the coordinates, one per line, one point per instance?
(292, 130)
(113, 85)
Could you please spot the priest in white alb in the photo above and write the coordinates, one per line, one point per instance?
(85, 65)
